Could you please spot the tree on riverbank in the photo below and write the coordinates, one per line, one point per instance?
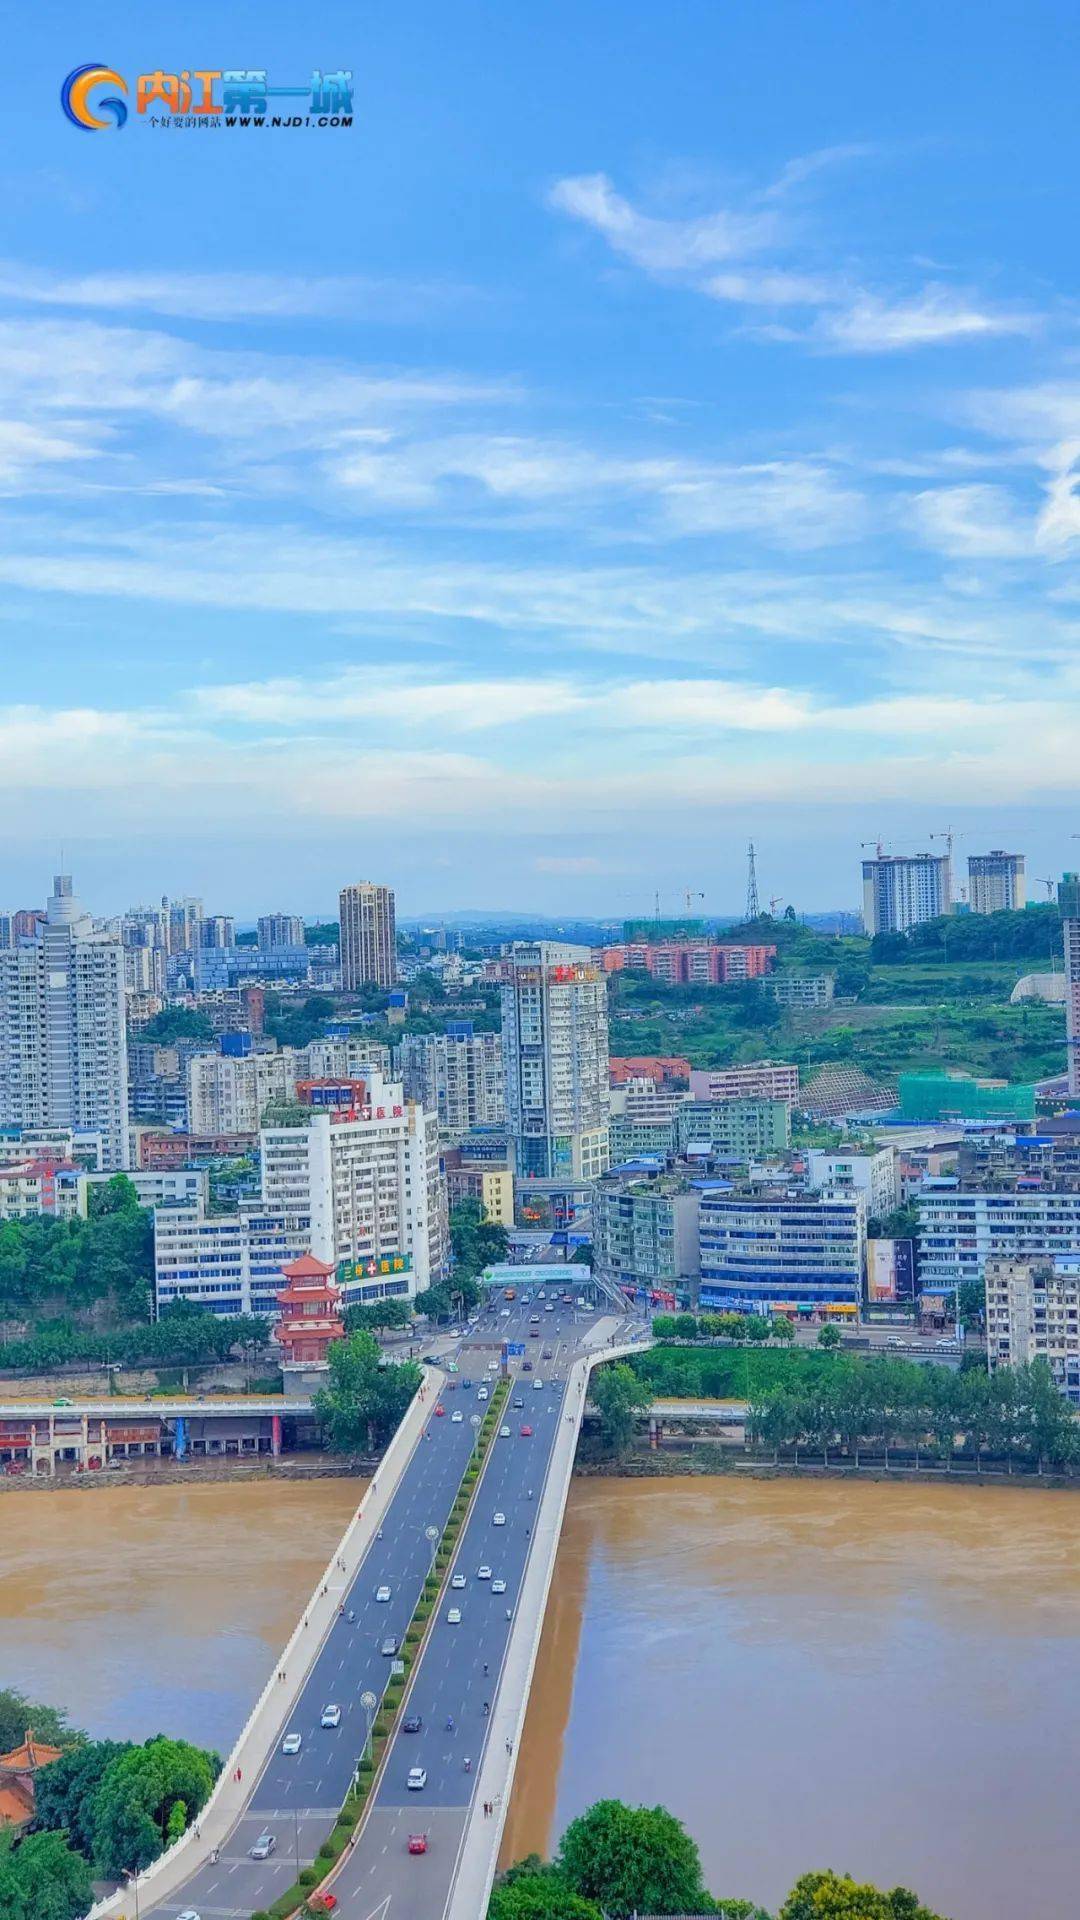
(139, 1791)
(616, 1860)
(619, 1397)
(17, 1714)
(363, 1404)
(42, 1878)
(875, 1405)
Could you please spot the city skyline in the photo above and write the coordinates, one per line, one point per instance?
(729, 493)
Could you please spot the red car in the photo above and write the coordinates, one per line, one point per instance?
(440, 1411)
(418, 1843)
(526, 1433)
(323, 1902)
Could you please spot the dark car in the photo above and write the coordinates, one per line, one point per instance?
(413, 1724)
(526, 1366)
(466, 1383)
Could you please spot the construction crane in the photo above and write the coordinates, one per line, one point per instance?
(879, 850)
(1048, 884)
(776, 901)
(690, 897)
(948, 834)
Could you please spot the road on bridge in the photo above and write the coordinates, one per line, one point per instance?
(297, 1796)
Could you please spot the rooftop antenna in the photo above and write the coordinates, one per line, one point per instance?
(753, 910)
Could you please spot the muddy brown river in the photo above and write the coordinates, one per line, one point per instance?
(879, 1678)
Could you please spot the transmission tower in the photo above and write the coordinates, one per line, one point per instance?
(752, 909)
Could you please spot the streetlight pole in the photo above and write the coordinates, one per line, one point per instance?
(474, 1422)
(432, 1536)
(369, 1704)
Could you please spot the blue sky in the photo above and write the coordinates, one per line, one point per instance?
(646, 429)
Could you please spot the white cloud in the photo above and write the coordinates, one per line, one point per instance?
(462, 706)
(793, 502)
(221, 296)
(936, 316)
(661, 246)
(976, 522)
(848, 317)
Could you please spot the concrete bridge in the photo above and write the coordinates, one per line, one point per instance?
(336, 1654)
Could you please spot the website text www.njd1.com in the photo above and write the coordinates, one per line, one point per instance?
(95, 98)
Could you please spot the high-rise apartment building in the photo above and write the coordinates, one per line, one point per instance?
(63, 1040)
(355, 1180)
(1069, 902)
(902, 890)
(185, 922)
(555, 1058)
(217, 932)
(368, 936)
(996, 882)
(280, 930)
(457, 1075)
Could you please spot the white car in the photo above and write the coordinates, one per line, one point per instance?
(541, 1295)
(504, 1433)
(498, 1519)
(505, 1314)
(483, 1573)
(417, 1779)
(382, 1594)
(498, 1586)
(189, 1913)
(456, 1419)
(458, 1581)
(549, 1308)
(482, 1394)
(538, 1386)
(291, 1743)
(331, 1717)
(453, 1618)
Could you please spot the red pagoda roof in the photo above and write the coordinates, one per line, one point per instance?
(308, 1268)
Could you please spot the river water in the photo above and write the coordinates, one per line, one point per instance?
(880, 1678)
(883, 1678)
(160, 1609)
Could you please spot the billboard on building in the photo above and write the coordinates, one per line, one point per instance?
(890, 1271)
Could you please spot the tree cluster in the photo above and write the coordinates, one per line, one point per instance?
(104, 1809)
(1033, 933)
(477, 1242)
(364, 1400)
(184, 1336)
(1014, 1414)
(380, 1317)
(753, 1327)
(615, 1861)
(100, 1268)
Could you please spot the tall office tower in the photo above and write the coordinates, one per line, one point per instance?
(555, 1058)
(280, 930)
(901, 890)
(368, 936)
(144, 936)
(185, 922)
(1069, 902)
(25, 924)
(996, 882)
(217, 932)
(63, 1042)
